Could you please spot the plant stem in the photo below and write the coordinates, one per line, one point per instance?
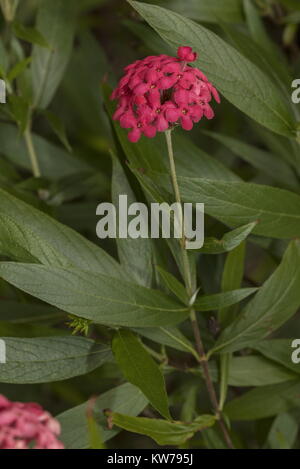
(189, 288)
(31, 151)
(185, 259)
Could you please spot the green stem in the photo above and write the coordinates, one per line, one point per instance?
(185, 259)
(189, 288)
(31, 151)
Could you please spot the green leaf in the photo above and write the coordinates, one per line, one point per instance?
(230, 240)
(250, 49)
(125, 398)
(189, 406)
(210, 12)
(149, 37)
(270, 164)
(280, 351)
(85, 72)
(8, 329)
(213, 440)
(232, 278)
(283, 433)
(173, 285)
(31, 35)
(285, 148)
(140, 369)
(223, 300)
(192, 161)
(277, 211)
(48, 241)
(259, 34)
(3, 60)
(43, 360)
(76, 186)
(233, 271)
(94, 431)
(277, 300)
(22, 313)
(8, 171)
(55, 163)
(19, 109)
(58, 128)
(102, 299)
(169, 336)
(225, 362)
(18, 69)
(264, 402)
(234, 75)
(135, 254)
(256, 371)
(55, 21)
(162, 431)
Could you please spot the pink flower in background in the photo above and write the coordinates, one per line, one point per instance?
(160, 91)
(27, 425)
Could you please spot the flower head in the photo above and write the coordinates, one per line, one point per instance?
(27, 425)
(160, 91)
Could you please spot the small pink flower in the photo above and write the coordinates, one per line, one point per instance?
(160, 91)
(187, 54)
(24, 426)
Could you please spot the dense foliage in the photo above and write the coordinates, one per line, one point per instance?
(211, 349)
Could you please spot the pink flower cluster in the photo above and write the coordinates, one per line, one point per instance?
(160, 91)
(25, 426)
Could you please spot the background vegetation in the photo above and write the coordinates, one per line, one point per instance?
(60, 60)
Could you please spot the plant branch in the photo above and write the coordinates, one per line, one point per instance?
(31, 151)
(189, 288)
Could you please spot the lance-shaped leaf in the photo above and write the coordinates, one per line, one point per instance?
(169, 336)
(74, 426)
(232, 278)
(102, 299)
(277, 300)
(173, 285)
(275, 56)
(21, 313)
(223, 300)
(254, 370)
(283, 433)
(239, 80)
(280, 351)
(270, 163)
(277, 211)
(56, 22)
(230, 240)
(211, 12)
(31, 35)
(135, 254)
(25, 231)
(43, 360)
(140, 369)
(162, 431)
(264, 402)
(54, 161)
